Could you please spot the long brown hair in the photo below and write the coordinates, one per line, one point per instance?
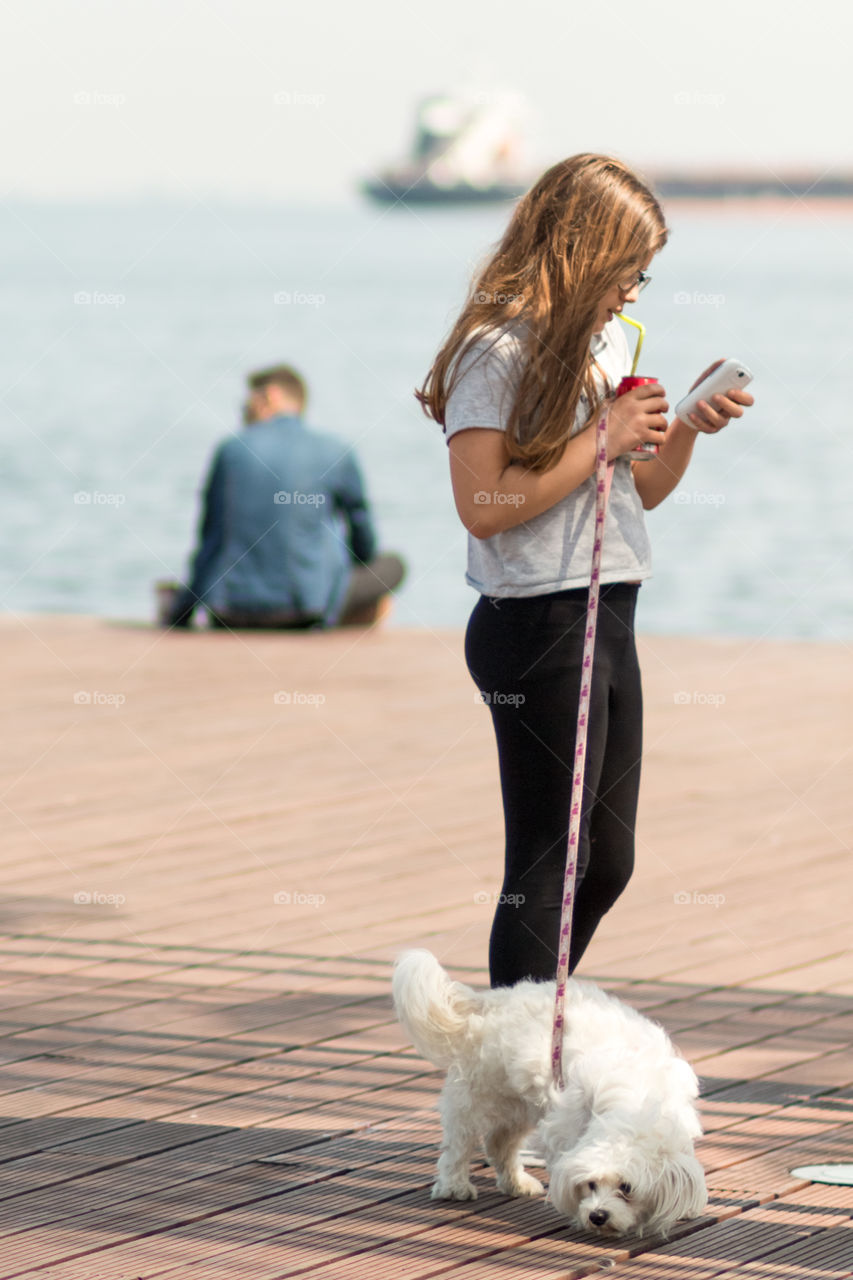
(587, 223)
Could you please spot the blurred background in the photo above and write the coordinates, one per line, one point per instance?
(186, 197)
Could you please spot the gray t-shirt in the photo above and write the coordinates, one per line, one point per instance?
(551, 551)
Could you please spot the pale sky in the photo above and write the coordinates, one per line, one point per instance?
(175, 98)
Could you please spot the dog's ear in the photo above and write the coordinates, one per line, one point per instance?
(564, 1181)
(679, 1192)
(685, 1077)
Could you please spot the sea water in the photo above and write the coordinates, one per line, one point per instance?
(129, 330)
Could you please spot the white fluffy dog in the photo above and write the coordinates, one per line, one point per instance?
(618, 1140)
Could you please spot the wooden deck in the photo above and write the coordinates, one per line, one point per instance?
(213, 846)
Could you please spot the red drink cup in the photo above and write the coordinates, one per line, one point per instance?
(642, 451)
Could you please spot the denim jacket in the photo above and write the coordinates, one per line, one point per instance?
(285, 516)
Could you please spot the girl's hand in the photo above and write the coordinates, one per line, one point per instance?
(637, 417)
(714, 414)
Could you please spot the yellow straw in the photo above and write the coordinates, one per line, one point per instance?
(640, 336)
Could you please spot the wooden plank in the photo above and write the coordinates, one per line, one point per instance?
(155, 1047)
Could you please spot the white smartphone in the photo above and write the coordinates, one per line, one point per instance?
(731, 373)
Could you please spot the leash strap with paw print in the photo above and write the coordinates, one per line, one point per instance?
(604, 476)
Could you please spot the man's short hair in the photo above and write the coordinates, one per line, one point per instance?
(280, 375)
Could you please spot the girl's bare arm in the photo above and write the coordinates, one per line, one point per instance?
(492, 494)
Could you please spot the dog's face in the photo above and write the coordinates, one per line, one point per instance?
(637, 1196)
(607, 1204)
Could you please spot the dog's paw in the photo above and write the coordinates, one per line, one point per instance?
(520, 1183)
(453, 1191)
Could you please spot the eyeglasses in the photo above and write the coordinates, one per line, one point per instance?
(639, 283)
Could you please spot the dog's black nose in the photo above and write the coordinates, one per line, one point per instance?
(598, 1217)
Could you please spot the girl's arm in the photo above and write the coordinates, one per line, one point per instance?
(492, 494)
(656, 478)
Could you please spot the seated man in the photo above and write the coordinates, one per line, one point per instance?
(285, 538)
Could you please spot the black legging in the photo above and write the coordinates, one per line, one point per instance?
(524, 654)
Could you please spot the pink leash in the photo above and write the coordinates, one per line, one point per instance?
(604, 476)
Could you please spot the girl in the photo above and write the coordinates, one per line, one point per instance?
(519, 385)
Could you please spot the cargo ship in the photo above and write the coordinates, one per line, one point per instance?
(469, 148)
(710, 184)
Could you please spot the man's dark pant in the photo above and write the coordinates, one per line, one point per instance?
(368, 584)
